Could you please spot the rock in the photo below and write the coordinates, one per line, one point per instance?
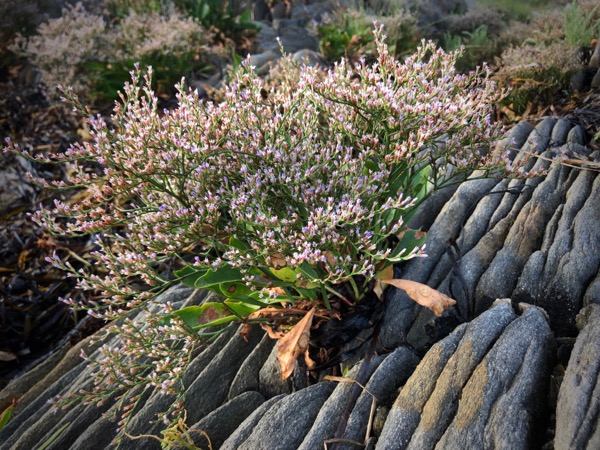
(209, 390)
(294, 38)
(34, 421)
(576, 135)
(247, 378)
(328, 419)
(595, 58)
(246, 428)
(310, 58)
(595, 83)
(504, 400)
(266, 40)
(287, 422)
(261, 11)
(573, 258)
(382, 387)
(143, 420)
(312, 11)
(272, 384)
(404, 416)
(401, 311)
(592, 294)
(525, 236)
(578, 409)
(560, 132)
(481, 387)
(222, 422)
(15, 192)
(260, 59)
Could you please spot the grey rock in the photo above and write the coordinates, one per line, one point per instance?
(481, 387)
(574, 256)
(30, 420)
(97, 436)
(515, 140)
(15, 191)
(295, 38)
(71, 426)
(328, 419)
(280, 24)
(538, 141)
(561, 131)
(247, 378)
(440, 409)
(576, 135)
(260, 59)
(592, 294)
(311, 11)
(578, 407)
(287, 422)
(261, 11)
(596, 80)
(382, 387)
(579, 81)
(595, 58)
(142, 420)
(266, 40)
(219, 424)
(505, 398)
(310, 58)
(405, 413)
(430, 208)
(401, 312)
(247, 426)
(209, 390)
(270, 381)
(525, 236)
(280, 11)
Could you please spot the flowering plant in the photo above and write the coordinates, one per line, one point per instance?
(72, 48)
(284, 197)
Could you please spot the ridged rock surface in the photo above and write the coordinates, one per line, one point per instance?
(478, 377)
(578, 410)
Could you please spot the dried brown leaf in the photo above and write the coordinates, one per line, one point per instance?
(7, 356)
(294, 343)
(423, 295)
(273, 334)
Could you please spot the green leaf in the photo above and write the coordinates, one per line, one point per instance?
(189, 275)
(242, 309)
(191, 315)
(217, 322)
(224, 274)
(238, 243)
(309, 271)
(285, 274)
(5, 416)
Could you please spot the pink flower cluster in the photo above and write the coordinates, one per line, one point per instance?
(318, 168)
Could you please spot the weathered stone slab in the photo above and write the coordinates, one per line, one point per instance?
(504, 399)
(287, 422)
(223, 421)
(272, 384)
(405, 414)
(481, 387)
(329, 416)
(391, 374)
(247, 426)
(247, 378)
(578, 409)
(525, 237)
